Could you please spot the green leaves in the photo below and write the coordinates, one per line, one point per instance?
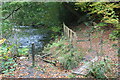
(101, 24)
(98, 69)
(106, 13)
(104, 10)
(8, 66)
(83, 6)
(33, 13)
(7, 63)
(23, 51)
(56, 29)
(114, 35)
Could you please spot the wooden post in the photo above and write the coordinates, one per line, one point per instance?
(90, 41)
(64, 30)
(75, 39)
(33, 54)
(70, 35)
(119, 51)
(101, 43)
(68, 32)
(119, 41)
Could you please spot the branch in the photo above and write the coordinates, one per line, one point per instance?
(45, 55)
(12, 13)
(48, 61)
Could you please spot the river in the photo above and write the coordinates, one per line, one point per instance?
(24, 36)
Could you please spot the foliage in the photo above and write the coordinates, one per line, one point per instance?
(68, 56)
(72, 76)
(114, 35)
(105, 12)
(33, 13)
(55, 29)
(102, 9)
(53, 44)
(8, 64)
(23, 51)
(5, 51)
(101, 24)
(99, 69)
(6, 28)
(2, 40)
(70, 60)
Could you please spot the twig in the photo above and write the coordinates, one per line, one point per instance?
(45, 55)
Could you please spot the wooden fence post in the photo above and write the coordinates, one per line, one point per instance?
(75, 39)
(118, 45)
(63, 29)
(90, 41)
(71, 35)
(65, 32)
(33, 54)
(101, 43)
(68, 32)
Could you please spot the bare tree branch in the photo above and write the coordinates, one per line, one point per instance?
(12, 13)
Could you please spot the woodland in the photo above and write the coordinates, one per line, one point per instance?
(60, 40)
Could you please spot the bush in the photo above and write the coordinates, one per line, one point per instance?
(8, 65)
(99, 69)
(68, 56)
(23, 51)
(6, 61)
(6, 28)
(114, 35)
(106, 12)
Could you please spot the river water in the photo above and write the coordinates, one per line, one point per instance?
(24, 36)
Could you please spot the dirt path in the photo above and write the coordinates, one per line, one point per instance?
(108, 50)
(41, 70)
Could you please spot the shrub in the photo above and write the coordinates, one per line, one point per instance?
(23, 51)
(68, 56)
(8, 65)
(6, 61)
(70, 59)
(99, 69)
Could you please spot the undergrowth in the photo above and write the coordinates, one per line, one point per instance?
(64, 52)
(7, 63)
(7, 60)
(101, 69)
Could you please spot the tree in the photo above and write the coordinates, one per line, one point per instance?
(32, 13)
(106, 12)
